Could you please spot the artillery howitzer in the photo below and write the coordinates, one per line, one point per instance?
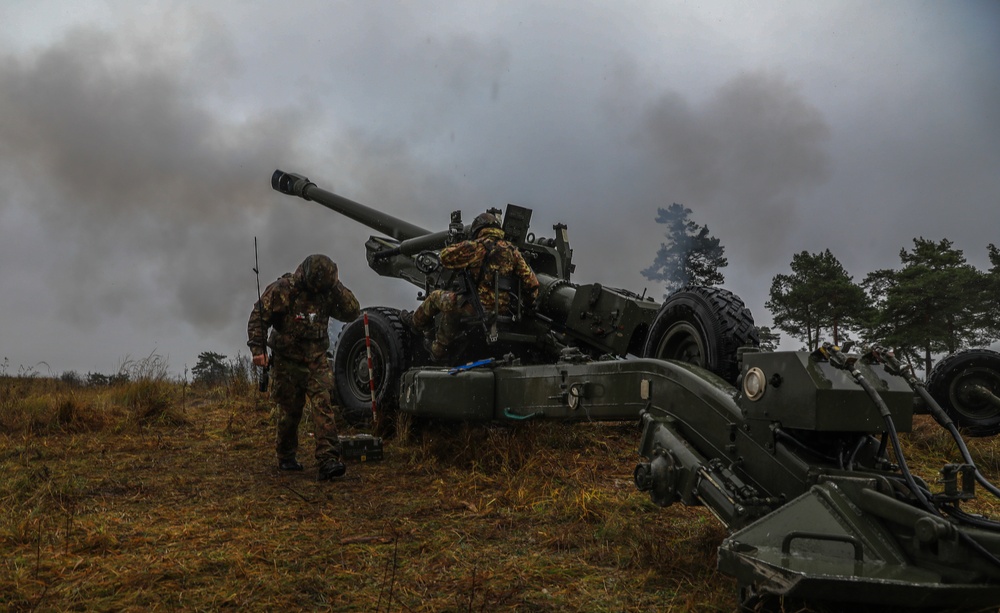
(790, 450)
(569, 323)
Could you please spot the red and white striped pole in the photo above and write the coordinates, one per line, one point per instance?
(371, 370)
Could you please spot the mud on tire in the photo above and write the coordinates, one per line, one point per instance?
(704, 326)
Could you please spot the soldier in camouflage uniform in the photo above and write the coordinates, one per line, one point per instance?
(485, 255)
(297, 307)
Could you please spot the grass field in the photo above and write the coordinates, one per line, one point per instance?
(153, 496)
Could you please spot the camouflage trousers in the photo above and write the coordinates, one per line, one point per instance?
(293, 381)
(452, 307)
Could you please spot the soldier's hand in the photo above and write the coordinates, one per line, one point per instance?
(260, 360)
(456, 234)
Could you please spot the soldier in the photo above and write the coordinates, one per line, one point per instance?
(297, 307)
(484, 255)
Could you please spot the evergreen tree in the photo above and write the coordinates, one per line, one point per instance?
(991, 299)
(936, 303)
(790, 309)
(690, 255)
(211, 368)
(769, 340)
(878, 326)
(818, 295)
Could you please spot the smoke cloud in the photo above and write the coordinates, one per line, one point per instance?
(141, 187)
(743, 161)
(143, 191)
(137, 143)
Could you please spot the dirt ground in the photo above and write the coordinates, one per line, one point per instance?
(187, 511)
(542, 517)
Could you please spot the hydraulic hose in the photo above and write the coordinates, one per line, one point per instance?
(896, 368)
(839, 360)
(890, 427)
(864, 438)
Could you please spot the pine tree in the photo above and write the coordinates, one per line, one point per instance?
(936, 303)
(819, 295)
(991, 298)
(769, 340)
(211, 368)
(689, 256)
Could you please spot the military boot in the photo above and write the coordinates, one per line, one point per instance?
(331, 469)
(291, 464)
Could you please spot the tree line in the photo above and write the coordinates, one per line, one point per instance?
(210, 370)
(934, 303)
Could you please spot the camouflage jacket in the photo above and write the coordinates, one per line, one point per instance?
(483, 258)
(298, 318)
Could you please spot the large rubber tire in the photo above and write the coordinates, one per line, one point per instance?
(704, 326)
(390, 359)
(954, 377)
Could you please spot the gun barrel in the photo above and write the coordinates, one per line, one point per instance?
(292, 184)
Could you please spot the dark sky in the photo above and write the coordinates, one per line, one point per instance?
(137, 141)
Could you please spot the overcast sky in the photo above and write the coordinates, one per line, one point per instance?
(137, 141)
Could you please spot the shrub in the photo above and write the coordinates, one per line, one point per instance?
(139, 393)
(71, 377)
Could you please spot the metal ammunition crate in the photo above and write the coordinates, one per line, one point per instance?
(360, 448)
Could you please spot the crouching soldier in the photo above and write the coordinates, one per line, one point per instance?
(297, 308)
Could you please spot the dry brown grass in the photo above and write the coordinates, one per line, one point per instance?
(189, 513)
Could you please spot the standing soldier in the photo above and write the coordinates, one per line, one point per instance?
(487, 257)
(297, 308)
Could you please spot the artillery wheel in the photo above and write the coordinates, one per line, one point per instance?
(703, 326)
(967, 386)
(390, 359)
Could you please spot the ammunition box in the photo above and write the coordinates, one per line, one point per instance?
(360, 448)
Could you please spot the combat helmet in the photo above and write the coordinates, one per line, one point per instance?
(483, 221)
(318, 273)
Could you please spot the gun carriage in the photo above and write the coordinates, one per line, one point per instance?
(790, 450)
